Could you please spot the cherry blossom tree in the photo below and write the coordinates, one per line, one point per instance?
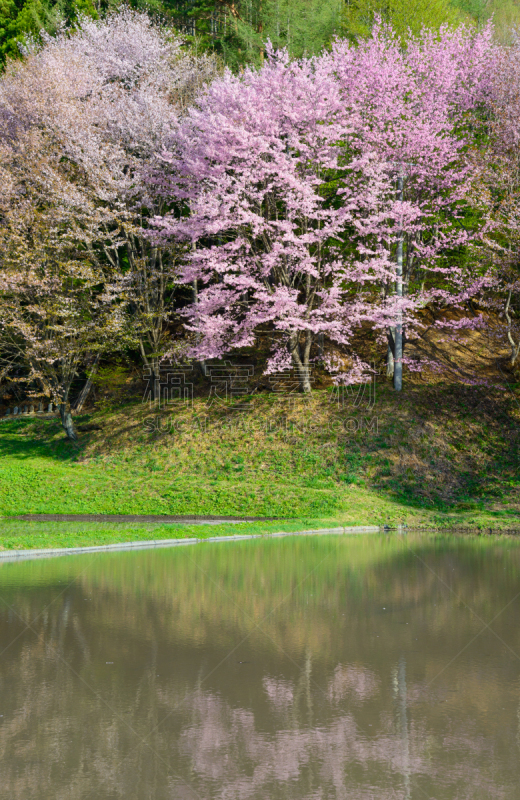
(316, 191)
(107, 96)
(413, 107)
(252, 163)
(498, 192)
(57, 306)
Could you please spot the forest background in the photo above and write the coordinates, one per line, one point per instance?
(238, 29)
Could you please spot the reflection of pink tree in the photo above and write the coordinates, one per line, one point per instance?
(352, 680)
(224, 748)
(218, 736)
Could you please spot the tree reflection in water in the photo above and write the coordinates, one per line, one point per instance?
(327, 670)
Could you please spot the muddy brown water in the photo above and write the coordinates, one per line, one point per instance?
(322, 668)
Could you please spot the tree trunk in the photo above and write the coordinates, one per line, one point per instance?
(398, 336)
(201, 365)
(80, 402)
(304, 378)
(67, 422)
(260, 31)
(389, 362)
(515, 346)
(300, 354)
(321, 346)
(154, 378)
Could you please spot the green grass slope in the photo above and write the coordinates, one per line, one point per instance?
(443, 455)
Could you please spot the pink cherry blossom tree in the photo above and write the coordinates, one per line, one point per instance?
(257, 165)
(413, 107)
(498, 191)
(314, 188)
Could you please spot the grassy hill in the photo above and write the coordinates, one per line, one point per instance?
(444, 452)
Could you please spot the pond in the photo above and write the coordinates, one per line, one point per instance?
(312, 668)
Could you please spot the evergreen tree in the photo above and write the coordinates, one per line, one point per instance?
(239, 29)
(20, 18)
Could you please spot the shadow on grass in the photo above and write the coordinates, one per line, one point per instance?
(34, 438)
(449, 448)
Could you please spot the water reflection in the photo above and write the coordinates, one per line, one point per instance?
(313, 669)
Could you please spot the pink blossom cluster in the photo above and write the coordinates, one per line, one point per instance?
(284, 182)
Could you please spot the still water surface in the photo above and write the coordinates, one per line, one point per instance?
(319, 668)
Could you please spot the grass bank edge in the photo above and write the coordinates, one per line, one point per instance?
(42, 536)
(57, 535)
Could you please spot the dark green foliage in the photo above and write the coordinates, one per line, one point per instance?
(238, 29)
(19, 19)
